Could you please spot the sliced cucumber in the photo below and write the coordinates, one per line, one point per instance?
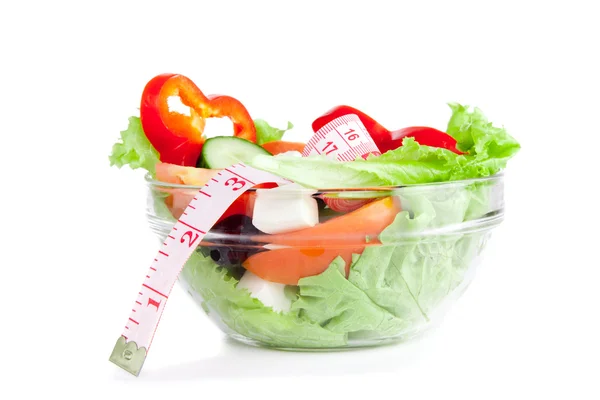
(222, 151)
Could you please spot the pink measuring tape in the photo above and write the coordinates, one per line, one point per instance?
(344, 138)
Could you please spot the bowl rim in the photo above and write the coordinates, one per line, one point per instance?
(151, 182)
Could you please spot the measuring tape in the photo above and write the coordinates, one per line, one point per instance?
(344, 138)
(198, 218)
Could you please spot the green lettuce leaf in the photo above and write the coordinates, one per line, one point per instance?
(392, 289)
(266, 133)
(336, 304)
(410, 276)
(477, 136)
(316, 171)
(134, 149)
(488, 149)
(248, 316)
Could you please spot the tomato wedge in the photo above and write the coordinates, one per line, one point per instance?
(287, 266)
(355, 228)
(172, 173)
(179, 198)
(313, 249)
(282, 146)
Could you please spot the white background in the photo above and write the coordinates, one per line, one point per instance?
(76, 245)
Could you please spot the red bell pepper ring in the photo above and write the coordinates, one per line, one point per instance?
(178, 137)
(389, 140)
(423, 135)
(372, 126)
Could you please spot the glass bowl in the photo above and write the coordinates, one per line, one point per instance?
(387, 266)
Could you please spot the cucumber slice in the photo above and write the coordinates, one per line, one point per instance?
(223, 151)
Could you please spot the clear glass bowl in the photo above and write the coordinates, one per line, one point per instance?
(399, 282)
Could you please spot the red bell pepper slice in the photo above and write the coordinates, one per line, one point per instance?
(178, 137)
(389, 140)
(375, 129)
(423, 135)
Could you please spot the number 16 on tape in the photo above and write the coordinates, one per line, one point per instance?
(198, 218)
(345, 138)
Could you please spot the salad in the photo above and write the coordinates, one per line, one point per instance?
(350, 252)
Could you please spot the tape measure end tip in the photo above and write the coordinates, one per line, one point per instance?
(128, 356)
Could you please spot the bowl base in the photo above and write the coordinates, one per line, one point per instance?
(353, 344)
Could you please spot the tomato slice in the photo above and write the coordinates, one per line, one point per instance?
(172, 173)
(287, 266)
(355, 228)
(179, 198)
(282, 146)
(344, 205)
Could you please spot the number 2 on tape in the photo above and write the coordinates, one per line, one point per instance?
(198, 218)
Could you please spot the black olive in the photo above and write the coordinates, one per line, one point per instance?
(227, 243)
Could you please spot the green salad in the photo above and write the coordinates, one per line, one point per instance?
(411, 247)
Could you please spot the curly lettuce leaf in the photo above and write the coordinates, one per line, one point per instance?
(134, 149)
(423, 165)
(336, 304)
(477, 136)
(388, 274)
(411, 277)
(266, 133)
(247, 315)
(316, 171)
(487, 150)
(392, 289)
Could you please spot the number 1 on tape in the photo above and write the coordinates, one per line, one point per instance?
(217, 195)
(345, 138)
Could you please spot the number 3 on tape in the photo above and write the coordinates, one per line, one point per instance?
(216, 196)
